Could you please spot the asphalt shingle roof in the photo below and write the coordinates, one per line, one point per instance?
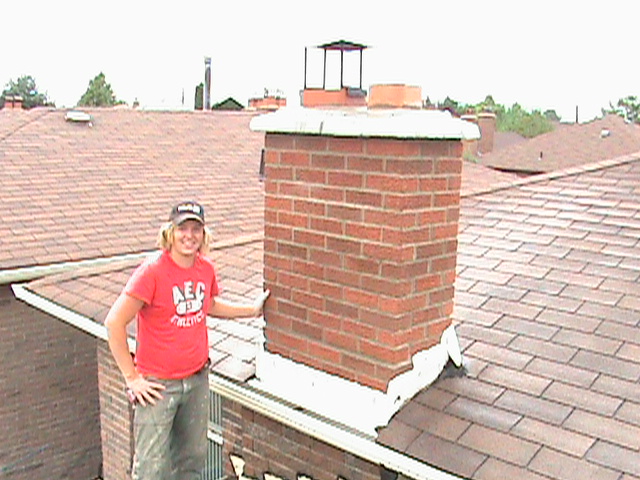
(72, 191)
(547, 308)
(569, 145)
(547, 301)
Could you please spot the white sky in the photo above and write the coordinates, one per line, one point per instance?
(542, 54)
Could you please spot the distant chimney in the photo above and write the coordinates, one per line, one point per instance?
(470, 147)
(487, 124)
(13, 102)
(395, 96)
(207, 83)
(361, 224)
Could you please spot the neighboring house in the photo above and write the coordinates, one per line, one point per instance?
(546, 304)
(229, 103)
(568, 145)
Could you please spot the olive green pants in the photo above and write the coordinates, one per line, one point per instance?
(171, 436)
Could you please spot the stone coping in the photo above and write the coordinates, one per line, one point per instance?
(361, 122)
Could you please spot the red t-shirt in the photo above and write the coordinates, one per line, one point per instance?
(172, 340)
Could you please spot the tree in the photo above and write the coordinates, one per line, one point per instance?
(99, 94)
(628, 108)
(26, 88)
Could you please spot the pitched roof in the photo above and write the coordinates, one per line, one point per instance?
(74, 191)
(568, 145)
(547, 310)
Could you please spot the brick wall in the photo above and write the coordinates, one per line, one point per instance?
(360, 250)
(49, 411)
(270, 447)
(115, 416)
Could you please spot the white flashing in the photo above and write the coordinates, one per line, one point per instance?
(398, 123)
(357, 406)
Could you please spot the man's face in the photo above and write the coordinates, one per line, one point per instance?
(188, 237)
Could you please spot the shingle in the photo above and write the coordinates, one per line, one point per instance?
(558, 438)
(565, 467)
(615, 457)
(597, 426)
(499, 445)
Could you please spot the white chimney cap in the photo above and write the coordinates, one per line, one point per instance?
(396, 123)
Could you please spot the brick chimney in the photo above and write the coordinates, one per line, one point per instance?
(13, 102)
(361, 224)
(487, 125)
(395, 96)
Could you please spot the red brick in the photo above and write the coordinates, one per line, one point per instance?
(293, 219)
(448, 165)
(296, 159)
(406, 201)
(364, 232)
(329, 322)
(310, 142)
(391, 183)
(279, 141)
(362, 265)
(328, 162)
(390, 219)
(344, 245)
(324, 353)
(345, 179)
(441, 148)
(346, 144)
(291, 189)
(309, 207)
(341, 340)
(327, 225)
(365, 164)
(276, 172)
(409, 167)
(392, 147)
(326, 194)
(360, 297)
(323, 257)
(369, 199)
(278, 204)
(311, 175)
(382, 353)
(306, 330)
(310, 238)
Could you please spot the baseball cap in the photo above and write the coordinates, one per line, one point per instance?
(186, 211)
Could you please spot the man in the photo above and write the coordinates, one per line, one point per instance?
(170, 295)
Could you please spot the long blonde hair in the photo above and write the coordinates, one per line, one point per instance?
(167, 230)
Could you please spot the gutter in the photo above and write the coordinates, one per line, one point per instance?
(25, 274)
(326, 431)
(72, 318)
(305, 422)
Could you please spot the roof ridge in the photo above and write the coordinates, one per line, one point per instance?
(27, 122)
(565, 172)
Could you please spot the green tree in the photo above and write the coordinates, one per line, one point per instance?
(527, 124)
(628, 108)
(99, 94)
(26, 88)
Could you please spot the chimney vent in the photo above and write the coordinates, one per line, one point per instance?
(207, 83)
